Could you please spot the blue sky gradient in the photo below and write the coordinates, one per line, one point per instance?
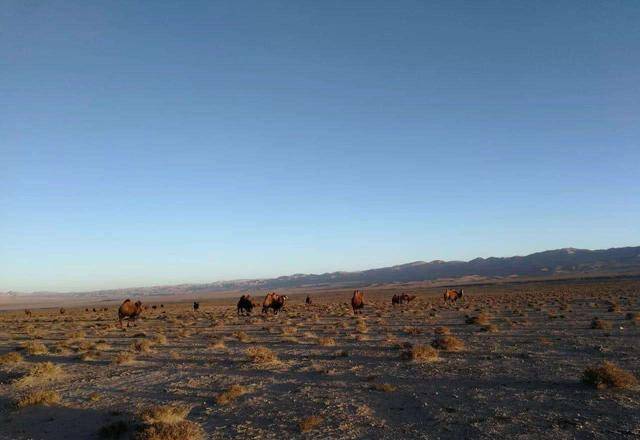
(167, 142)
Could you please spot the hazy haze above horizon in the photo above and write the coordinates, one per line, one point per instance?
(152, 143)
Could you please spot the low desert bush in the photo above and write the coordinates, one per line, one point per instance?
(309, 423)
(167, 422)
(35, 348)
(326, 341)
(38, 397)
(242, 337)
(448, 343)
(420, 353)
(600, 324)
(608, 375)
(384, 387)
(40, 372)
(231, 394)
(481, 319)
(169, 414)
(10, 358)
(141, 346)
(261, 355)
(124, 358)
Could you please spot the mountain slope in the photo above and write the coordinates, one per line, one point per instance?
(566, 261)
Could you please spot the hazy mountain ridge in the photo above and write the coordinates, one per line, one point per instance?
(546, 263)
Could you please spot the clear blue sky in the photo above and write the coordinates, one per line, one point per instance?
(165, 142)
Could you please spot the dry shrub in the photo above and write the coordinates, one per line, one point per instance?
(180, 431)
(35, 348)
(448, 343)
(481, 319)
(228, 396)
(420, 353)
(442, 331)
(310, 335)
(39, 397)
(159, 338)
(90, 355)
(101, 346)
(608, 375)
(632, 316)
(600, 324)
(289, 330)
(40, 372)
(326, 342)
(384, 387)
(340, 353)
(169, 414)
(168, 422)
(78, 334)
(124, 358)
(261, 355)
(489, 328)
(242, 337)
(142, 346)
(412, 331)
(10, 358)
(309, 423)
(218, 344)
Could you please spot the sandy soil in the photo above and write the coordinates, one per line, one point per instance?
(518, 375)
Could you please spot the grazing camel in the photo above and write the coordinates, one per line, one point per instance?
(129, 311)
(273, 301)
(245, 305)
(357, 301)
(452, 295)
(401, 299)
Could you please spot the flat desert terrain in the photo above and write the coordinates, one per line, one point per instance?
(531, 360)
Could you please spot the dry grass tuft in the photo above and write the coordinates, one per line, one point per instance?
(448, 343)
(608, 375)
(185, 430)
(420, 353)
(481, 319)
(414, 331)
(384, 387)
(10, 358)
(142, 346)
(228, 396)
(261, 355)
(35, 348)
(326, 341)
(40, 372)
(167, 422)
(489, 328)
(309, 423)
(124, 358)
(159, 338)
(169, 414)
(600, 324)
(242, 337)
(39, 397)
(218, 344)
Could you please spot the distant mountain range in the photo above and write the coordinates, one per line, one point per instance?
(567, 261)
